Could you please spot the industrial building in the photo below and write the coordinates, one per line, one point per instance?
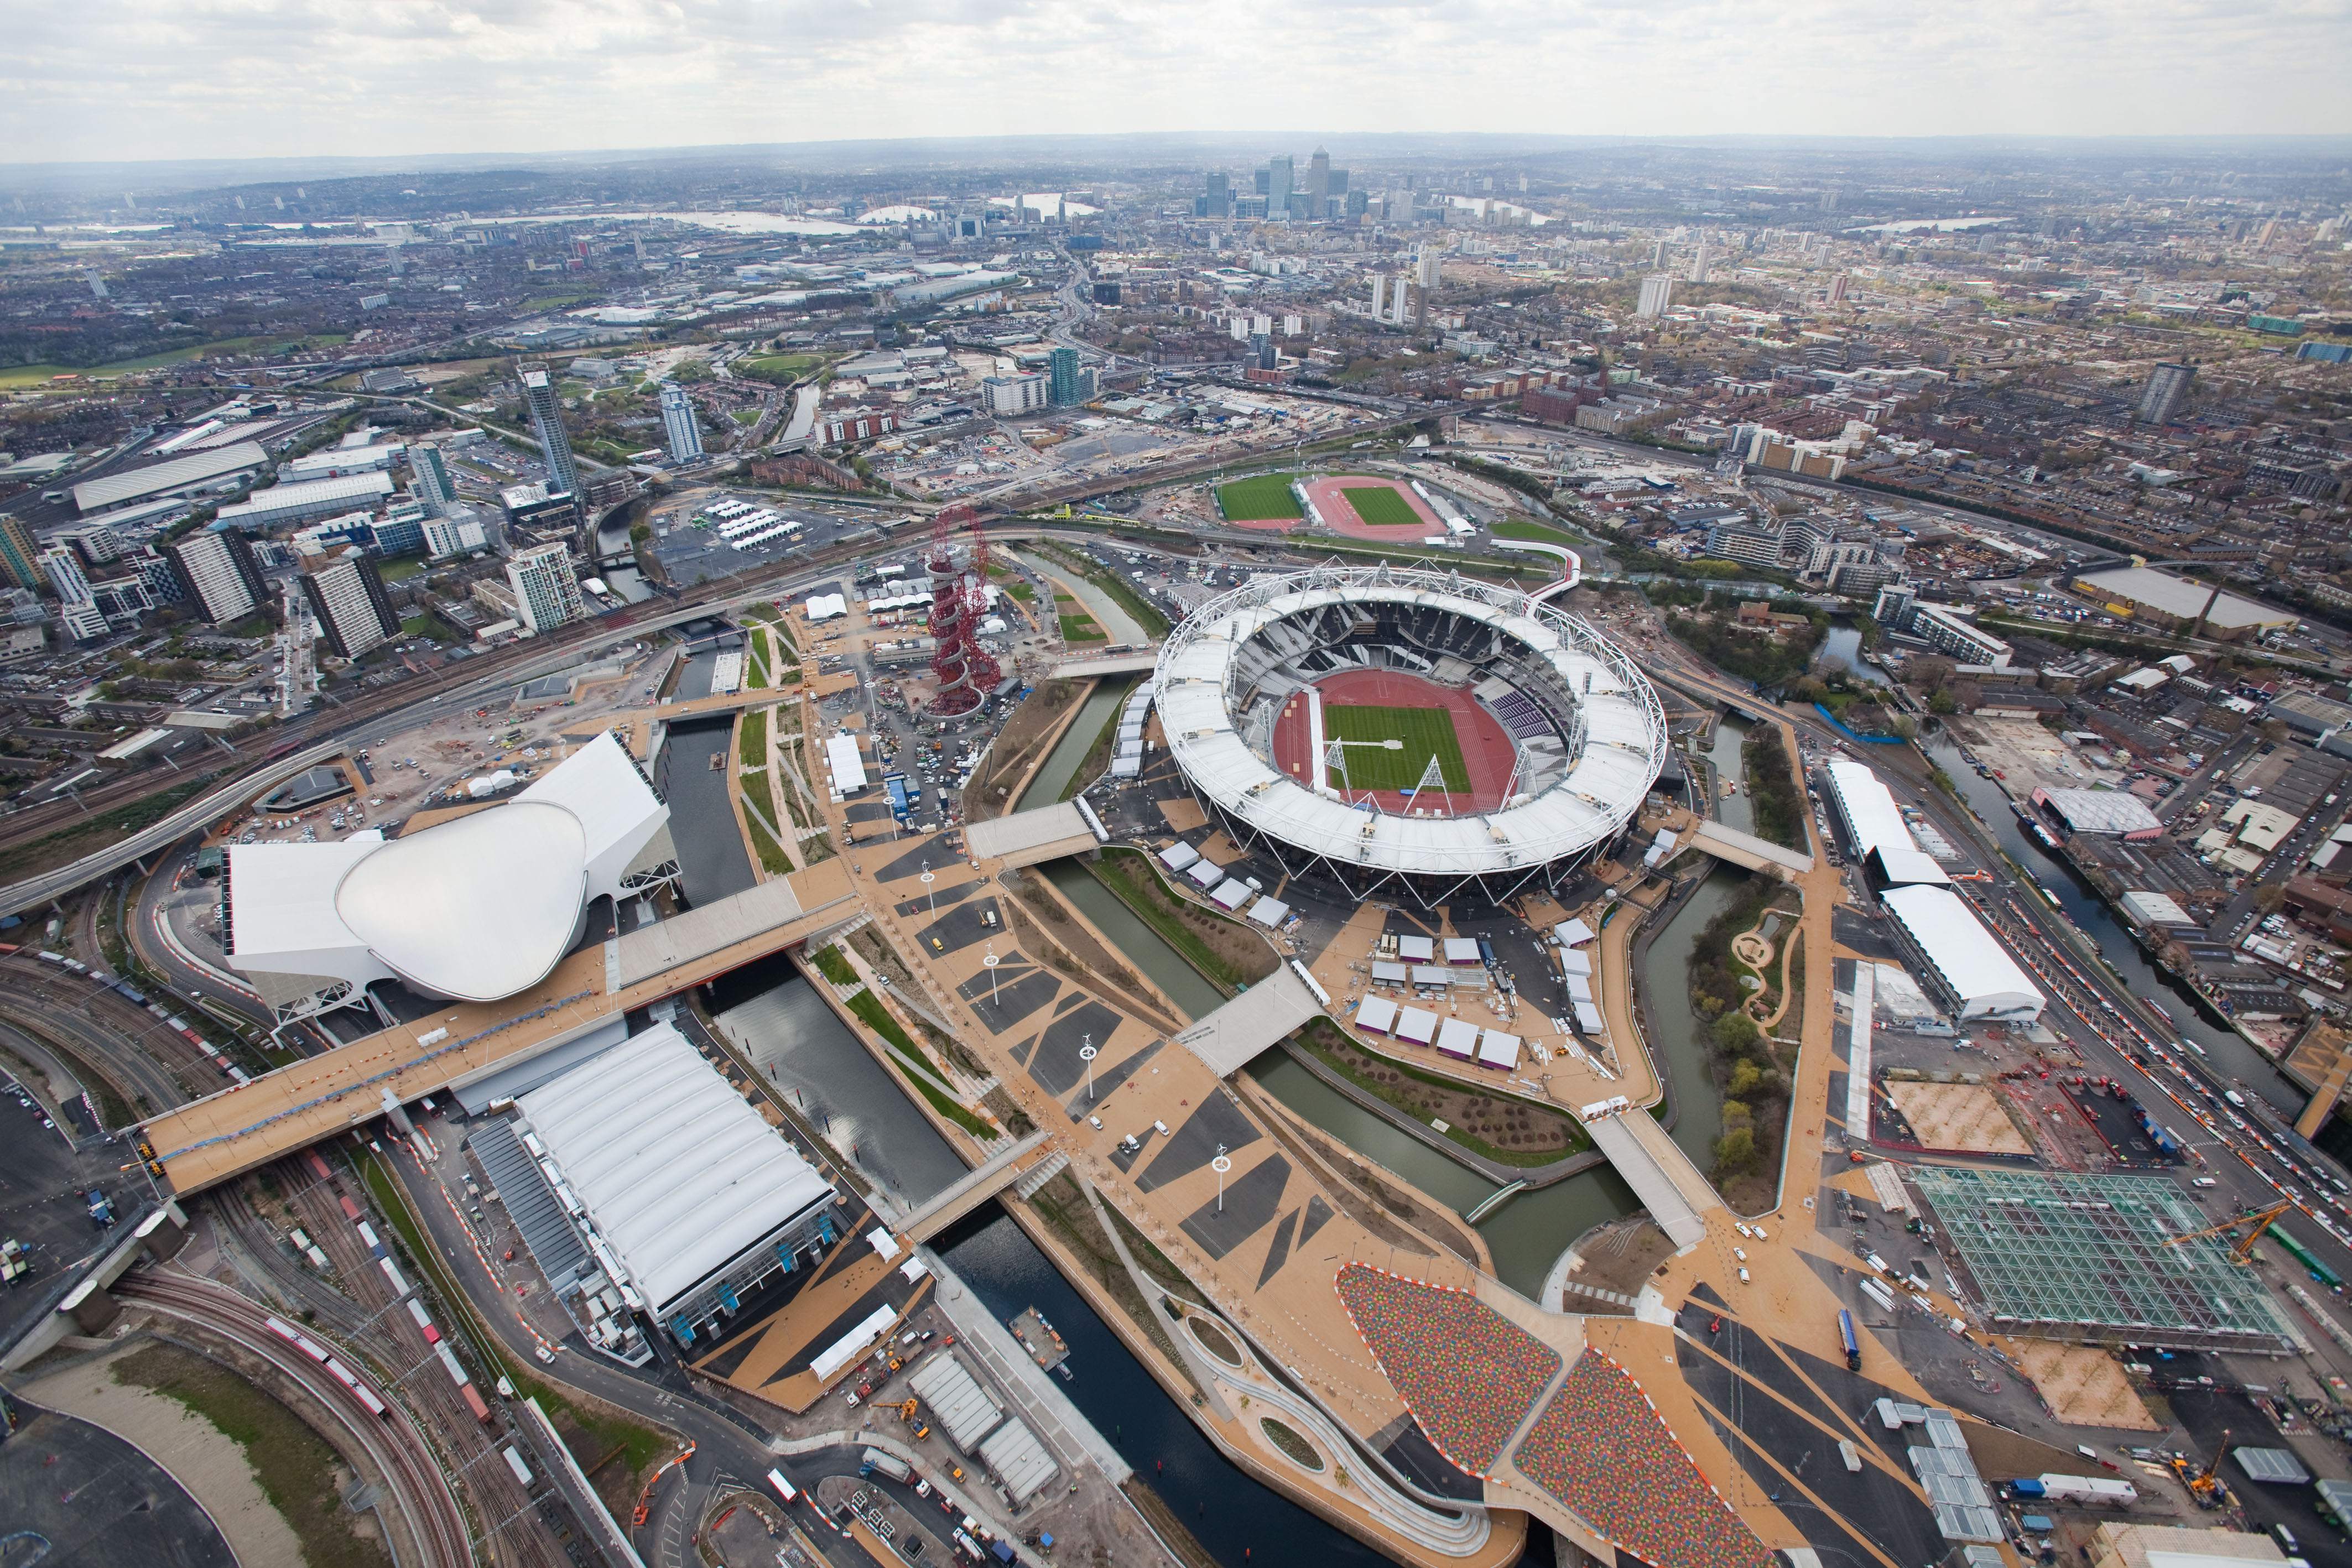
(977, 1425)
(1866, 813)
(2102, 811)
(2147, 595)
(2058, 1255)
(219, 468)
(1970, 970)
(300, 502)
(477, 908)
(685, 1192)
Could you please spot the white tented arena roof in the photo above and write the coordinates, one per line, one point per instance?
(1623, 729)
(677, 1169)
(477, 908)
(1871, 817)
(1972, 967)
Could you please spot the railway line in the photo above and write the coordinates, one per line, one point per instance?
(390, 1443)
(141, 1056)
(504, 1509)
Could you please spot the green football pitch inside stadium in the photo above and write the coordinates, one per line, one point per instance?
(1382, 507)
(1426, 732)
(1265, 498)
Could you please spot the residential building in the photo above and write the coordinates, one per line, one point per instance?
(455, 534)
(1948, 631)
(1891, 609)
(546, 589)
(1428, 264)
(1015, 394)
(1064, 370)
(1747, 543)
(1657, 296)
(546, 418)
(20, 557)
(1837, 289)
(96, 545)
(354, 614)
(430, 479)
(218, 574)
(63, 568)
(680, 434)
(84, 622)
(2159, 400)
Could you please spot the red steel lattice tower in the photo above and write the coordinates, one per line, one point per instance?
(964, 670)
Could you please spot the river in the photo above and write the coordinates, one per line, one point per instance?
(2227, 1051)
(612, 539)
(1052, 781)
(1121, 626)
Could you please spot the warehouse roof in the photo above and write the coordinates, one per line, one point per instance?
(2178, 597)
(677, 1169)
(2102, 810)
(155, 478)
(958, 1403)
(1019, 1459)
(306, 496)
(1870, 813)
(1973, 967)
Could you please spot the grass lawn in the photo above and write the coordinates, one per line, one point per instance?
(1082, 629)
(746, 416)
(1426, 732)
(17, 377)
(1535, 532)
(399, 569)
(835, 966)
(1382, 507)
(293, 1465)
(1262, 499)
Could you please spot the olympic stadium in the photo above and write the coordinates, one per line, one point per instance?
(1408, 731)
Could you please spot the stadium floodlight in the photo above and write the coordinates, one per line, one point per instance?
(1432, 777)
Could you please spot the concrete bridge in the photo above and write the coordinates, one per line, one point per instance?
(1012, 1167)
(1041, 833)
(1116, 664)
(1747, 849)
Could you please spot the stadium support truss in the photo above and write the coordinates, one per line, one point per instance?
(2086, 1258)
(1220, 671)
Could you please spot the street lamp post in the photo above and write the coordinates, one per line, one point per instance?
(1086, 1054)
(990, 963)
(1220, 1164)
(927, 891)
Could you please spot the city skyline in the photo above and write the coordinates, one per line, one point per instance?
(140, 77)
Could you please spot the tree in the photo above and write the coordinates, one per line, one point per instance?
(2272, 731)
(1736, 1032)
(1942, 702)
(2268, 899)
(1734, 1152)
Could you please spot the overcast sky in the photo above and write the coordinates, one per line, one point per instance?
(198, 79)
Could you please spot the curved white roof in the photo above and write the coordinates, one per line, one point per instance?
(477, 908)
(1623, 745)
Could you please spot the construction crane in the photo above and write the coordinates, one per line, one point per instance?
(2255, 1222)
(2205, 1486)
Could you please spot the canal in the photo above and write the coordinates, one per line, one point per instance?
(2226, 1051)
(1052, 781)
(1101, 605)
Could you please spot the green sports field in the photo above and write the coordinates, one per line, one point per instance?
(1266, 498)
(1382, 507)
(1426, 732)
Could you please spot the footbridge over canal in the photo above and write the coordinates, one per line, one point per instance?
(1013, 1168)
(1740, 849)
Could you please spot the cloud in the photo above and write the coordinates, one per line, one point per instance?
(147, 79)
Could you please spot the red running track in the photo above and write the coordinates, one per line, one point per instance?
(1486, 749)
(1324, 494)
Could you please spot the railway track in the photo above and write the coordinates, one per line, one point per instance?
(503, 1507)
(394, 1448)
(99, 1024)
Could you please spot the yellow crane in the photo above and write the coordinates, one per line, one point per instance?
(2253, 1222)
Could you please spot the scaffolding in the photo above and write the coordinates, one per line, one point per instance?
(2097, 1258)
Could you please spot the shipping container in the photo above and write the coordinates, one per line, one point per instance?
(474, 1403)
(514, 1462)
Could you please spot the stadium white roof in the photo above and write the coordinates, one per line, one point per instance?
(479, 908)
(1972, 967)
(2102, 810)
(157, 478)
(1622, 747)
(1870, 814)
(675, 1168)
